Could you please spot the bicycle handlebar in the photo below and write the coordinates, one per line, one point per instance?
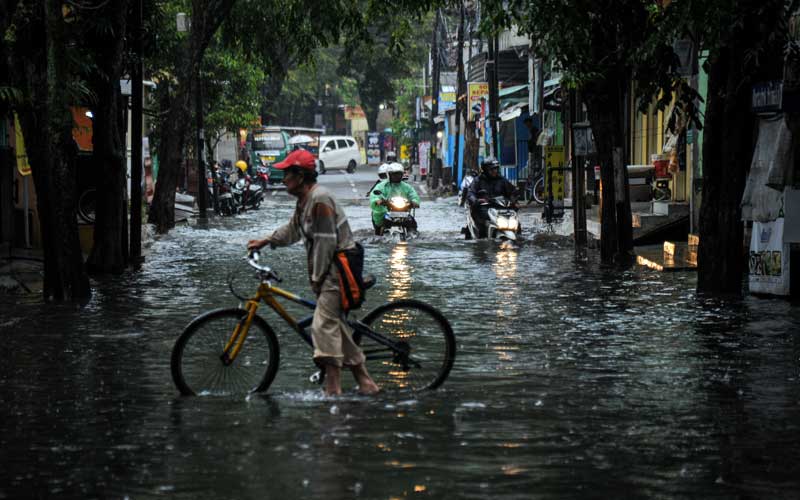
(265, 271)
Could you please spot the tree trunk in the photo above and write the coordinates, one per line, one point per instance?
(603, 106)
(109, 254)
(471, 147)
(727, 152)
(39, 53)
(208, 15)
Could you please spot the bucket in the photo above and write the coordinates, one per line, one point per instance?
(661, 164)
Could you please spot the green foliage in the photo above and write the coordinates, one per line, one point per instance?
(231, 91)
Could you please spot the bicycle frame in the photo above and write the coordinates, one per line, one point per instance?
(267, 293)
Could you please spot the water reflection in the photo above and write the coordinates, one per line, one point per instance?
(568, 378)
(399, 273)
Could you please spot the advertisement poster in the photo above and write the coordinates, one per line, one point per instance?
(373, 148)
(477, 94)
(769, 259)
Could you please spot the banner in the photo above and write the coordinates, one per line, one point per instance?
(476, 93)
(769, 258)
(423, 150)
(373, 148)
(23, 166)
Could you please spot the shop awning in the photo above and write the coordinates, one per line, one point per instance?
(512, 90)
(513, 111)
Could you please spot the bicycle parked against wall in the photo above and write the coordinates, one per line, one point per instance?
(408, 343)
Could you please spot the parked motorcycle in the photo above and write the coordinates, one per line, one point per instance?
(500, 221)
(247, 194)
(399, 221)
(262, 176)
(226, 205)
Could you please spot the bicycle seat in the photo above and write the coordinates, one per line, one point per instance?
(369, 281)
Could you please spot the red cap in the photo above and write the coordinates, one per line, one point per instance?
(297, 158)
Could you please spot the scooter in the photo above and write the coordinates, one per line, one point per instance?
(501, 220)
(247, 194)
(399, 221)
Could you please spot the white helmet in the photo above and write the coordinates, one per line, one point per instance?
(383, 169)
(395, 168)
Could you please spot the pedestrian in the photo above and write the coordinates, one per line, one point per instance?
(323, 226)
(533, 151)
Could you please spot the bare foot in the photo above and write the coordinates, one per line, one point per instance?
(366, 385)
(333, 380)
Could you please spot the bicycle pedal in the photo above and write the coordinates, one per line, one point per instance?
(317, 377)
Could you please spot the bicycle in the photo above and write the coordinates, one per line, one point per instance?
(408, 343)
(534, 188)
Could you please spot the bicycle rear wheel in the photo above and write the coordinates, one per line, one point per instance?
(197, 365)
(425, 345)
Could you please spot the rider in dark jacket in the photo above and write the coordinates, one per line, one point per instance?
(490, 184)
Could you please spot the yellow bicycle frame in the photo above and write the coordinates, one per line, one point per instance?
(266, 292)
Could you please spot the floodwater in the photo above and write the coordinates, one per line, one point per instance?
(570, 381)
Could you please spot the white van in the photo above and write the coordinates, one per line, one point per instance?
(338, 151)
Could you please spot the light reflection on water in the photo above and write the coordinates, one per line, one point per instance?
(571, 381)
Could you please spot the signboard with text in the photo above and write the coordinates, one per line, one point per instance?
(477, 94)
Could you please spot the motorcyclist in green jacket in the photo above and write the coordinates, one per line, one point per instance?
(385, 191)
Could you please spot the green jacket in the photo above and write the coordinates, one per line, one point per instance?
(388, 190)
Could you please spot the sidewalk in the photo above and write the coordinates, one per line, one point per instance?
(21, 271)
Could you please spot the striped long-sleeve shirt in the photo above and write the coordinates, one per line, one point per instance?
(323, 224)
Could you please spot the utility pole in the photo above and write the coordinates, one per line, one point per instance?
(494, 99)
(136, 139)
(460, 90)
(202, 184)
(434, 165)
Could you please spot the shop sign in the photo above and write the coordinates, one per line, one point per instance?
(23, 166)
(767, 97)
(447, 101)
(554, 159)
(477, 93)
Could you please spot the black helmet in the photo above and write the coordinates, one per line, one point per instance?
(489, 163)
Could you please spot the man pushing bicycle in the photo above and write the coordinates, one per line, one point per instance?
(322, 223)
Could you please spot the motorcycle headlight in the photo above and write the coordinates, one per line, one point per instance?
(507, 223)
(398, 203)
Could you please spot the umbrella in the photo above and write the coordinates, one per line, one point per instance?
(300, 139)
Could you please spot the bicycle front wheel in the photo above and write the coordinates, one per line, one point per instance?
(423, 345)
(198, 366)
(538, 191)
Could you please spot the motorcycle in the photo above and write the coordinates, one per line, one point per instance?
(399, 221)
(226, 205)
(262, 176)
(247, 194)
(501, 220)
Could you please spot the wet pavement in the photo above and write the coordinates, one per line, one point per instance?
(571, 381)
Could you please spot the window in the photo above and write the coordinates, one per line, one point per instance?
(341, 143)
(329, 145)
(268, 140)
(351, 143)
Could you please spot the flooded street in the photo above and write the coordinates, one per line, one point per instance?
(570, 381)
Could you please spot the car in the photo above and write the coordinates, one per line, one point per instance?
(338, 151)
